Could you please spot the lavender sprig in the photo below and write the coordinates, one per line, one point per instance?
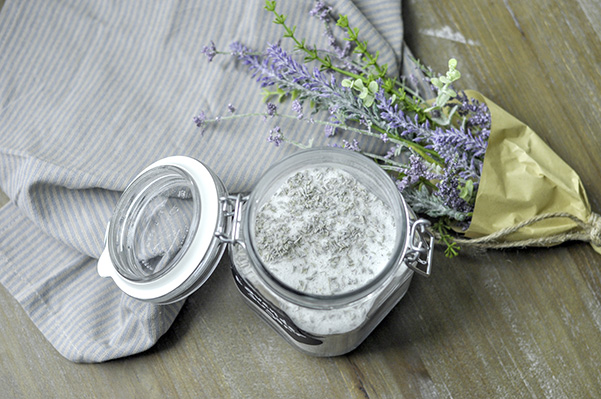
(435, 152)
(460, 146)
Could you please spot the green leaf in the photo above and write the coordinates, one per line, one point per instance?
(467, 190)
(358, 84)
(452, 250)
(384, 69)
(342, 21)
(290, 32)
(373, 86)
(388, 85)
(346, 83)
(454, 75)
(270, 5)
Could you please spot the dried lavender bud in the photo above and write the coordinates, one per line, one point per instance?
(322, 232)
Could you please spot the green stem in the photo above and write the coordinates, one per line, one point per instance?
(420, 150)
(393, 165)
(313, 55)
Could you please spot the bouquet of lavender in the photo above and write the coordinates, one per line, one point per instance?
(434, 148)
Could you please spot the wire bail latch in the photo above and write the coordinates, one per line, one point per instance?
(421, 246)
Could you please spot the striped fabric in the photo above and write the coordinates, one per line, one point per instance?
(93, 91)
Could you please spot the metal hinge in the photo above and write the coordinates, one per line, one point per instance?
(231, 207)
(421, 246)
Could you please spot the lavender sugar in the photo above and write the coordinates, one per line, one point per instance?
(323, 233)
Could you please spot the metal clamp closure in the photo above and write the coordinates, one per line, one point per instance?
(231, 206)
(421, 246)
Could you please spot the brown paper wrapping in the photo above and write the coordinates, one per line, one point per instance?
(522, 178)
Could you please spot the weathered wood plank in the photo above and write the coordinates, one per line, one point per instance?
(523, 323)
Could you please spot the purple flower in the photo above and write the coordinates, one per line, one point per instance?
(344, 52)
(231, 108)
(416, 171)
(477, 113)
(240, 50)
(271, 109)
(253, 62)
(324, 13)
(321, 11)
(458, 146)
(353, 146)
(278, 68)
(329, 130)
(210, 51)
(288, 72)
(200, 121)
(297, 107)
(396, 119)
(448, 190)
(275, 136)
(391, 151)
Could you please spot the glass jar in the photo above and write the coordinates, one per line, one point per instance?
(322, 249)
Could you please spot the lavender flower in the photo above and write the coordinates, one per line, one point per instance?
(416, 170)
(321, 11)
(477, 113)
(200, 121)
(330, 130)
(392, 152)
(460, 147)
(448, 190)
(324, 13)
(352, 146)
(210, 51)
(277, 68)
(253, 62)
(275, 136)
(271, 109)
(297, 107)
(396, 120)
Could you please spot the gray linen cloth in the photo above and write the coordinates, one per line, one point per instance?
(91, 92)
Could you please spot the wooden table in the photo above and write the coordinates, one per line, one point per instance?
(515, 323)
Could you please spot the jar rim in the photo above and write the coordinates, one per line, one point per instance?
(202, 250)
(130, 212)
(355, 164)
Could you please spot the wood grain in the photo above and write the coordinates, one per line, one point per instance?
(502, 324)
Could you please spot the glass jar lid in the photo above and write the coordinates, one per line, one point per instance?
(160, 242)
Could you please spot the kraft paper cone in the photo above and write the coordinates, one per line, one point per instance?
(523, 180)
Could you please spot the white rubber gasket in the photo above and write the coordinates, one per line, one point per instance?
(189, 262)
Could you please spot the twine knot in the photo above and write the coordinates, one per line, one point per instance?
(594, 229)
